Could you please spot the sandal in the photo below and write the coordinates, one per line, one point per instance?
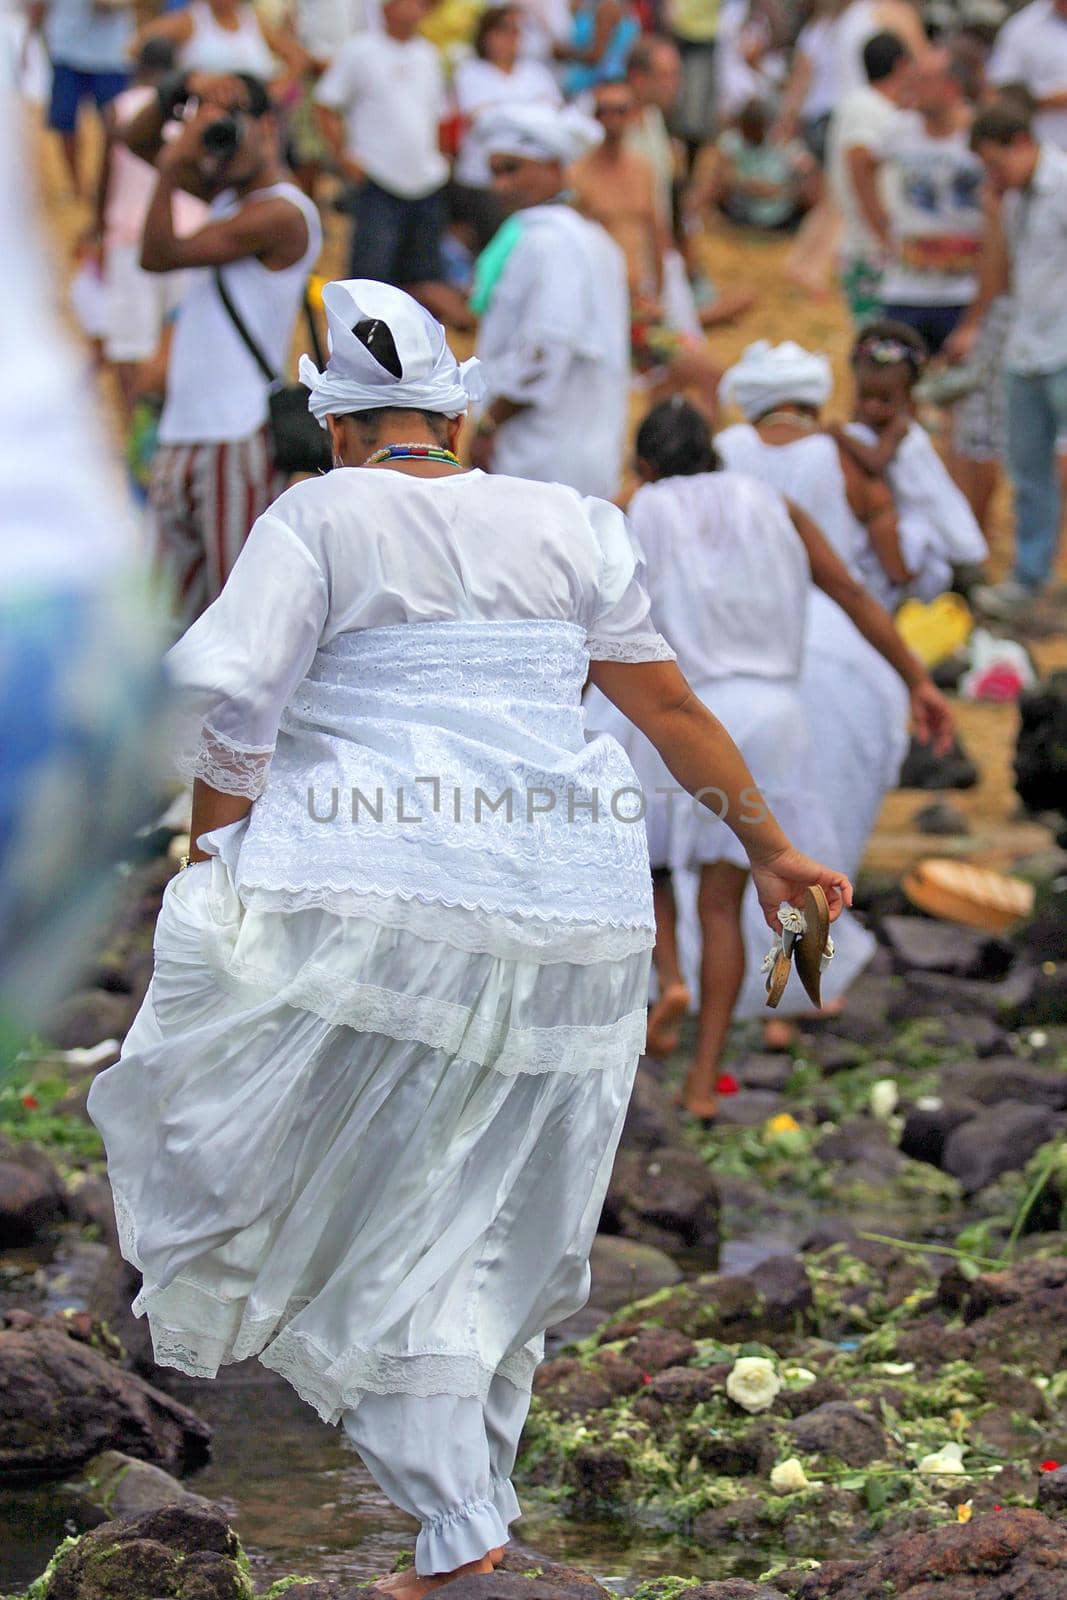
(804, 939)
(814, 947)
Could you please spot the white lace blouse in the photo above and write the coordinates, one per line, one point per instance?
(394, 673)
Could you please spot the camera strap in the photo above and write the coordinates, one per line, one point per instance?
(241, 328)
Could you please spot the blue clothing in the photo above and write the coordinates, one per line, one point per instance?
(72, 85)
(1037, 435)
(612, 63)
(80, 35)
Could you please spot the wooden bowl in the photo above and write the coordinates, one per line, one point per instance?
(977, 897)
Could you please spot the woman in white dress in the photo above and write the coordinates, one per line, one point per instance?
(728, 567)
(854, 699)
(363, 1124)
(938, 529)
(224, 36)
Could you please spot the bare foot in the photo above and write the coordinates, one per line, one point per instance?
(496, 1556)
(704, 1107)
(779, 1035)
(663, 1035)
(408, 1585)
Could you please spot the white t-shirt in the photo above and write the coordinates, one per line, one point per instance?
(817, 41)
(862, 122)
(479, 85)
(1031, 48)
(932, 190)
(392, 96)
(853, 28)
(323, 26)
(215, 390)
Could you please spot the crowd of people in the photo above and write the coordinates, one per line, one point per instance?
(426, 995)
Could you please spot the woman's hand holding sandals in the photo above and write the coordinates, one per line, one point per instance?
(787, 873)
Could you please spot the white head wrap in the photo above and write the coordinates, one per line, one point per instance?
(771, 375)
(431, 377)
(537, 133)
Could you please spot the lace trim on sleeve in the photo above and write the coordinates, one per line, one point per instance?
(650, 647)
(229, 767)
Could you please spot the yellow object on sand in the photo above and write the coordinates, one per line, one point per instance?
(977, 897)
(935, 629)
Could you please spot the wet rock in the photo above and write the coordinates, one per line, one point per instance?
(114, 1290)
(1041, 745)
(1052, 1493)
(923, 768)
(926, 1129)
(921, 945)
(652, 1120)
(89, 1016)
(501, 1585)
(624, 1270)
(749, 1108)
(740, 1521)
(1017, 1316)
(527, 1562)
(598, 1475)
(175, 1553)
(663, 1198)
(770, 1073)
(1047, 1000)
(32, 1195)
(61, 1403)
(1000, 1140)
(840, 1429)
(832, 1052)
(861, 1141)
(682, 1387)
(621, 1376)
(981, 1035)
(657, 1349)
(1002, 1078)
(90, 1202)
(1011, 1553)
(733, 1589)
(798, 1402)
(775, 1297)
(927, 994)
(571, 1388)
(737, 1456)
(120, 1487)
(941, 821)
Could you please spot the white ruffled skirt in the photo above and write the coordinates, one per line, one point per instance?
(374, 1160)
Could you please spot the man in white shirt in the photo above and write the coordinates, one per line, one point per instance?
(1031, 49)
(214, 471)
(857, 133)
(551, 292)
(380, 107)
(1025, 255)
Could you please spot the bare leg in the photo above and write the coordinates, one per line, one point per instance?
(695, 368)
(673, 1001)
(811, 260)
(69, 145)
(722, 971)
(978, 481)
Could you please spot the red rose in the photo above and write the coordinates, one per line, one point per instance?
(1049, 1466)
(30, 1102)
(727, 1083)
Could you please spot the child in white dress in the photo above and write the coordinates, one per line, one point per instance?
(363, 1124)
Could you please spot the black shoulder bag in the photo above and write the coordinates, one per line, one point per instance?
(300, 443)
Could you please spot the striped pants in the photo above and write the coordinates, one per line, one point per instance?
(204, 499)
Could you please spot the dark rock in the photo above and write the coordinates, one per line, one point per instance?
(522, 1559)
(840, 1429)
(749, 1108)
(862, 1141)
(663, 1197)
(1041, 745)
(979, 1035)
(652, 1120)
(620, 1375)
(32, 1196)
(1047, 1000)
(114, 1290)
(921, 945)
(682, 1386)
(90, 1201)
(625, 1270)
(1052, 1493)
(1044, 937)
(572, 1389)
(926, 994)
(598, 1475)
(740, 1522)
(657, 1349)
(90, 1016)
(738, 1455)
(501, 1585)
(733, 1589)
(941, 821)
(774, 1297)
(1016, 1316)
(833, 1053)
(61, 1403)
(1001, 1078)
(771, 1073)
(175, 1553)
(120, 1487)
(925, 1130)
(1004, 1556)
(924, 769)
(798, 1402)
(1000, 1140)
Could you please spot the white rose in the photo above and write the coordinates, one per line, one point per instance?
(885, 1097)
(799, 1376)
(929, 1102)
(949, 1459)
(897, 1369)
(789, 1477)
(753, 1384)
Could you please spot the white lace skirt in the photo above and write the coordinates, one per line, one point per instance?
(373, 1160)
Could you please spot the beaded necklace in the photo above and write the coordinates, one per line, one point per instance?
(413, 452)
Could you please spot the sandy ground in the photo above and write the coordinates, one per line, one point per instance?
(741, 260)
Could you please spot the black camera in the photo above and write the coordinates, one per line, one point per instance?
(222, 138)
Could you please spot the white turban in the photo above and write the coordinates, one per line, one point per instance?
(431, 378)
(773, 375)
(537, 133)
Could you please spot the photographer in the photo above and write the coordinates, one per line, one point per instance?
(214, 472)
